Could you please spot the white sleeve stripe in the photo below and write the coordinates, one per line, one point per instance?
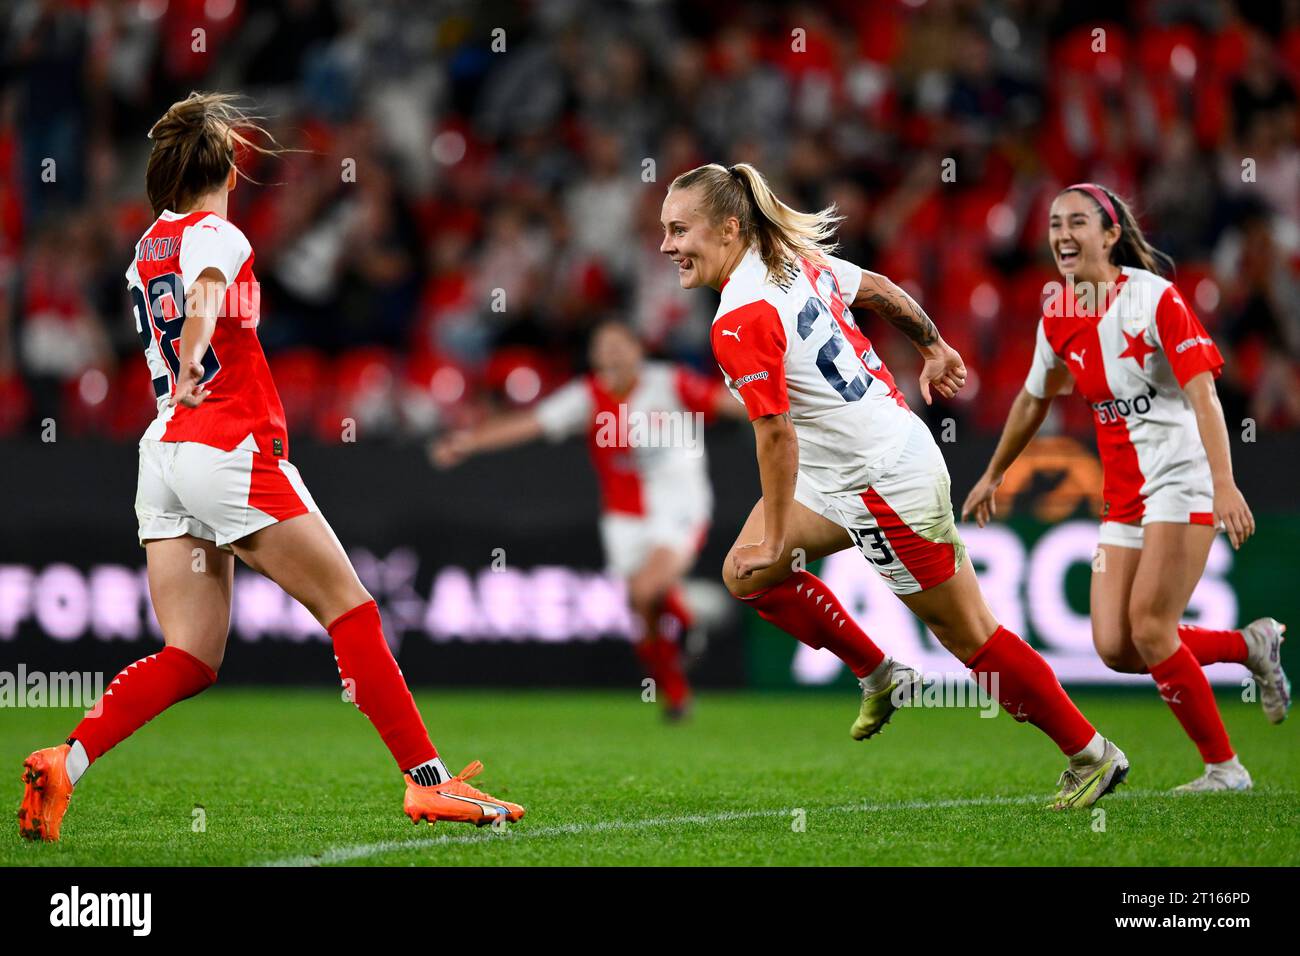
(212, 243)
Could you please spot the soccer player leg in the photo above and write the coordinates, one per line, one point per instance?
(799, 603)
(676, 532)
(1118, 549)
(911, 538)
(1180, 503)
(1173, 558)
(190, 585)
(303, 556)
(1024, 685)
(652, 556)
(189, 582)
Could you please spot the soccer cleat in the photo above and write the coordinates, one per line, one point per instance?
(678, 713)
(1264, 658)
(1230, 775)
(878, 706)
(456, 800)
(1082, 786)
(46, 794)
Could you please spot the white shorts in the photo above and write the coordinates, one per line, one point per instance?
(1130, 535)
(903, 522)
(629, 539)
(220, 496)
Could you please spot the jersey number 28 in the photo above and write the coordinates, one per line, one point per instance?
(164, 309)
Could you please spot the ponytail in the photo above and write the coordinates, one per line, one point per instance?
(769, 225)
(1132, 248)
(194, 148)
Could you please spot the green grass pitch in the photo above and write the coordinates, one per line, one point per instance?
(298, 776)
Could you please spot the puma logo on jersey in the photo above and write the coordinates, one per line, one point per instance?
(735, 334)
(1078, 357)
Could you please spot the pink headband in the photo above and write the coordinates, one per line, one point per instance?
(1099, 194)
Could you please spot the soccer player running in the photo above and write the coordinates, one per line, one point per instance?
(215, 481)
(640, 418)
(843, 460)
(1141, 358)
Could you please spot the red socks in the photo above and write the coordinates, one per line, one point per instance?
(1213, 647)
(1183, 687)
(804, 608)
(149, 686)
(1027, 689)
(139, 694)
(675, 606)
(368, 669)
(662, 659)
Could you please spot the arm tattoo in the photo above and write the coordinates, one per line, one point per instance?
(897, 308)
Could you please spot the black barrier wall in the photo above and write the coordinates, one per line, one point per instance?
(488, 574)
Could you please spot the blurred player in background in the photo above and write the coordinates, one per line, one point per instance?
(843, 460)
(1142, 359)
(215, 481)
(656, 501)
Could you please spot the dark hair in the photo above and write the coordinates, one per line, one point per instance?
(1132, 249)
(194, 148)
(778, 231)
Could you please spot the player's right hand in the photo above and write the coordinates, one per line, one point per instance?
(1232, 514)
(450, 450)
(982, 500)
(944, 371)
(748, 559)
(188, 390)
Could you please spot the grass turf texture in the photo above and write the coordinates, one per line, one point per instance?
(297, 775)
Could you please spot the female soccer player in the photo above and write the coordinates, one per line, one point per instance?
(1144, 362)
(215, 481)
(843, 460)
(640, 421)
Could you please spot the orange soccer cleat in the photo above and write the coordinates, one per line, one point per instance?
(46, 796)
(457, 800)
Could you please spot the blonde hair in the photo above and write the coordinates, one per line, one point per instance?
(775, 229)
(194, 148)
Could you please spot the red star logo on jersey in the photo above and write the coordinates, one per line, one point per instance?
(1138, 348)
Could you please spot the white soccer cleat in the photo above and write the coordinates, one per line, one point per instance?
(882, 696)
(1082, 785)
(1227, 776)
(1264, 639)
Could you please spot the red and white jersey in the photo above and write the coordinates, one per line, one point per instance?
(243, 408)
(647, 445)
(1131, 366)
(788, 343)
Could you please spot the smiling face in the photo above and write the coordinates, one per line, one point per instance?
(703, 252)
(1079, 245)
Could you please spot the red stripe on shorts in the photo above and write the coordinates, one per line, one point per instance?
(930, 562)
(270, 491)
(1201, 517)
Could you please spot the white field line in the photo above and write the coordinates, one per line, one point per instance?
(345, 854)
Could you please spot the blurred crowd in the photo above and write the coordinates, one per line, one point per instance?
(476, 184)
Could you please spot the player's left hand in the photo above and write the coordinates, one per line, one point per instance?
(944, 370)
(1232, 514)
(188, 390)
(749, 558)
